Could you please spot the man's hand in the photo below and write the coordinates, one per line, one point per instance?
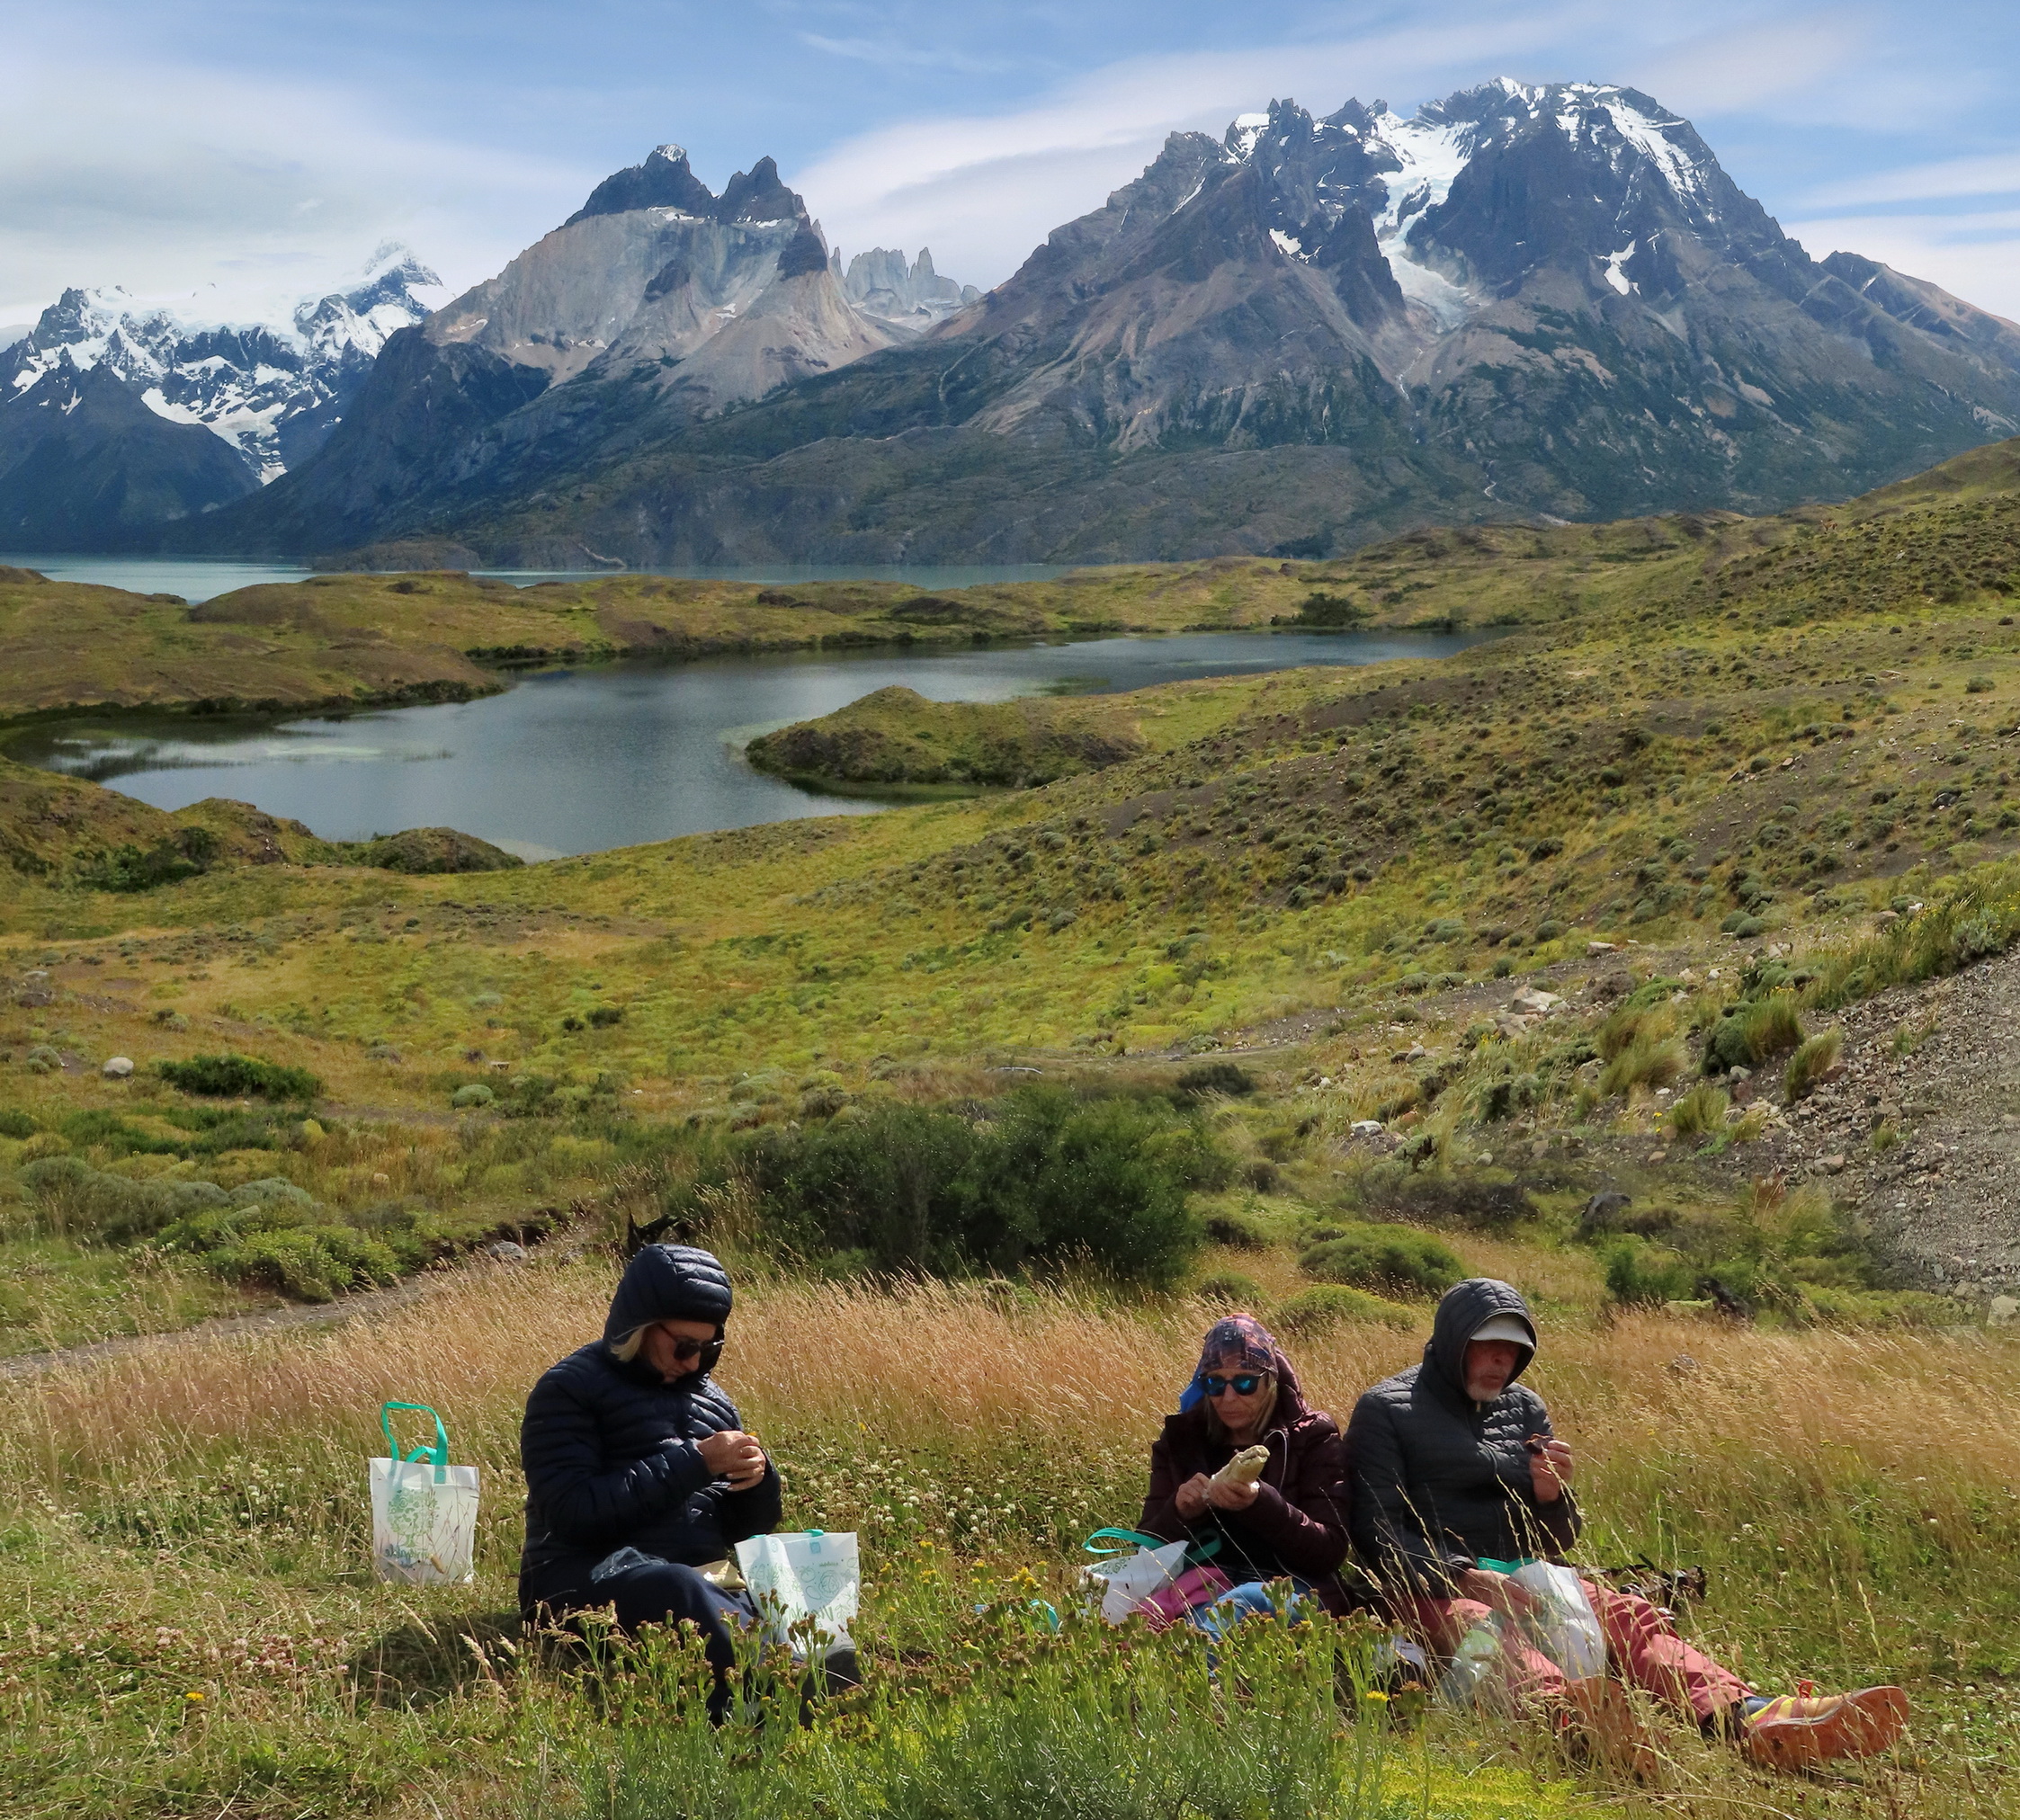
(1495, 1590)
(1191, 1497)
(733, 1455)
(1550, 1469)
(1232, 1497)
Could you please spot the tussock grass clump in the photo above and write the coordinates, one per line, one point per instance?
(1813, 1059)
(1384, 1258)
(1700, 1111)
(1644, 1064)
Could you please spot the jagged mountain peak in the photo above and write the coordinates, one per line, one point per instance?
(271, 390)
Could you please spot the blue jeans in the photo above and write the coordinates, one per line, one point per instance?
(1251, 1598)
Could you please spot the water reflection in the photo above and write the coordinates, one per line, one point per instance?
(575, 762)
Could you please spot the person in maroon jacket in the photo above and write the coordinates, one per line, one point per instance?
(1290, 1523)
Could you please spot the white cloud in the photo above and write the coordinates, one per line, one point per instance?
(983, 190)
(1998, 174)
(234, 196)
(1736, 68)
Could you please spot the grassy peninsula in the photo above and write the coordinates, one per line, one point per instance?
(1699, 886)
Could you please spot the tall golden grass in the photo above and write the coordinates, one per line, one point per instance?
(916, 1361)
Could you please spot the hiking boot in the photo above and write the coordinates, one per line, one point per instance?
(1799, 1731)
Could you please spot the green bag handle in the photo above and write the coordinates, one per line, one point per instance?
(436, 1455)
(1126, 1541)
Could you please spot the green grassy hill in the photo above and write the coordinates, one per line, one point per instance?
(1524, 910)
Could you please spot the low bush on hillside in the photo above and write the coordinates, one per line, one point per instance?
(1320, 1310)
(1396, 1259)
(129, 867)
(234, 1077)
(1812, 1060)
(1793, 1257)
(1701, 1112)
(1041, 1178)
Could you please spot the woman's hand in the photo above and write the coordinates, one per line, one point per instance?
(1232, 1497)
(1550, 1469)
(733, 1455)
(1191, 1497)
(1495, 1590)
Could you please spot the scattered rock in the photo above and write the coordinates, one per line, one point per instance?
(505, 1252)
(1367, 1127)
(1684, 1365)
(2003, 1312)
(1532, 1001)
(1594, 949)
(119, 1068)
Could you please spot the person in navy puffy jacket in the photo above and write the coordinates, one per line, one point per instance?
(640, 1479)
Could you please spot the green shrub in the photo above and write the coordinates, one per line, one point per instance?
(1637, 1022)
(1238, 1230)
(283, 1242)
(1334, 1304)
(1043, 1179)
(236, 1078)
(172, 858)
(1640, 1274)
(1811, 1062)
(472, 1094)
(16, 1124)
(1231, 1287)
(1700, 1112)
(1393, 1258)
(83, 1201)
(1217, 1078)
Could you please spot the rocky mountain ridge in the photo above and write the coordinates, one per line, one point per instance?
(657, 305)
(77, 460)
(1521, 300)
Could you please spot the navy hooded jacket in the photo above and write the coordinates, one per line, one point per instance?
(1441, 1481)
(609, 1448)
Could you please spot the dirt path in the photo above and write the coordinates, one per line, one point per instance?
(366, 1306)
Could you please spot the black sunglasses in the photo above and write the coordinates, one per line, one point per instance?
(1243, 1383)
(685, 1349)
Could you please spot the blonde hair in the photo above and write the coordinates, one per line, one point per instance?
(627, 1348)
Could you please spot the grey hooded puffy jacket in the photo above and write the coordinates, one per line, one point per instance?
(1441, 1481)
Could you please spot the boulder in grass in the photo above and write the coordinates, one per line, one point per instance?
(118, 1068)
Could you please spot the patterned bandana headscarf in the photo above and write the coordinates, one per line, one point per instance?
(1240, 1342)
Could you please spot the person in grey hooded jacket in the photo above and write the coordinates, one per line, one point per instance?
(1459, 1483)
(640, 1479)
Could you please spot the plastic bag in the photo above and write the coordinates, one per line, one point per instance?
(423, 1510)
(1562, 1625)
(1126, 1581)
(1196, 1586)
(805, 1574)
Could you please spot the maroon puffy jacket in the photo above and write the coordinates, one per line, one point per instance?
(1298, 1523)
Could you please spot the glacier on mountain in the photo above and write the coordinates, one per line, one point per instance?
(272, 390)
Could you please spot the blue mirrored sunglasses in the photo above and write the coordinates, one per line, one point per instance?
(1243, 1383)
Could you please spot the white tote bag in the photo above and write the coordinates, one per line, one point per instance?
(806, 1574)
(423, 1510)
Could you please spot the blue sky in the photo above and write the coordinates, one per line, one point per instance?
(238, 152)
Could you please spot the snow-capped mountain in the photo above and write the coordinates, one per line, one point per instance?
(1298, 336)
(272, 391)
(880, 283)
